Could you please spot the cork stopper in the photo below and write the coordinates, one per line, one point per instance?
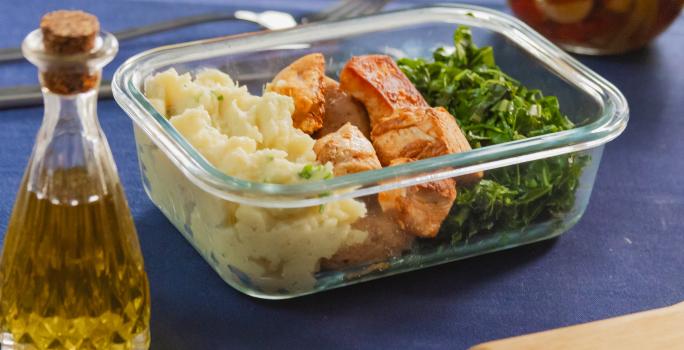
(68, 33)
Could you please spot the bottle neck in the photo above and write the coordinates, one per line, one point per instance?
(73, 114)
(71, 160)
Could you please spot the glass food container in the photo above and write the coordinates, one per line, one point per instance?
(598, 27)
(276, 241)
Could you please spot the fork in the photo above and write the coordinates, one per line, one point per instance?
(272, 20)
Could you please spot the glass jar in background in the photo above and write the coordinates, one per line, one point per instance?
(598, 27)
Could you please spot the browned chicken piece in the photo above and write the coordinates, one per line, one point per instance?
(348, 150)
(420, 133)
(419, 209)
(385, 239)
(378, 82)
(341, 108)
(404, 129)
(303, 81)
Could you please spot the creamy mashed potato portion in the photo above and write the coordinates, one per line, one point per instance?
(252, 137)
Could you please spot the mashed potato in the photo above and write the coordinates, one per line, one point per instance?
(249, 137)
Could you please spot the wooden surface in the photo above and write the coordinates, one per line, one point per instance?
(658, 329)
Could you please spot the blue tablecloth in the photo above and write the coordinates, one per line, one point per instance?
(625, 255)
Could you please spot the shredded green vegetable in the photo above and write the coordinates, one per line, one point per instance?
(493, 108)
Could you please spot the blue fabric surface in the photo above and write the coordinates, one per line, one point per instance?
(625, 255)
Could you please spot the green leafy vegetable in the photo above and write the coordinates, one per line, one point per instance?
(493, 108)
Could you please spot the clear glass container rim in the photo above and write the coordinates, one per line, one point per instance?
(610, 124)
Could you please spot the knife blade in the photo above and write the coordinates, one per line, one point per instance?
(32, 95)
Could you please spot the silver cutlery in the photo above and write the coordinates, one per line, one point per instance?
(30, 95)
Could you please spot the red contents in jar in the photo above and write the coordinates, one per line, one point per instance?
(598, 26)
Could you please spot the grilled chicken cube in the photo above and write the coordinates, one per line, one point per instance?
(378, 82)
(348, 150)
(303, 81)
(420, 133)
(419, 209)
(385, 239)
(341, 108)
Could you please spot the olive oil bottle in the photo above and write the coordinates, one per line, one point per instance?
(71, 271)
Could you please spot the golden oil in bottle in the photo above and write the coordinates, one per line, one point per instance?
(72, 274)
(71, 271)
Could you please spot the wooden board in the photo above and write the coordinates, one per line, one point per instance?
(658, 329)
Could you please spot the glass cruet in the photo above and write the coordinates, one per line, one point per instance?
(71, 271)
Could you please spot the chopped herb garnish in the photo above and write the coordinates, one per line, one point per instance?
(321, 207)
(315, 172)
(218, 96)
(307, 172)
(493, 108)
